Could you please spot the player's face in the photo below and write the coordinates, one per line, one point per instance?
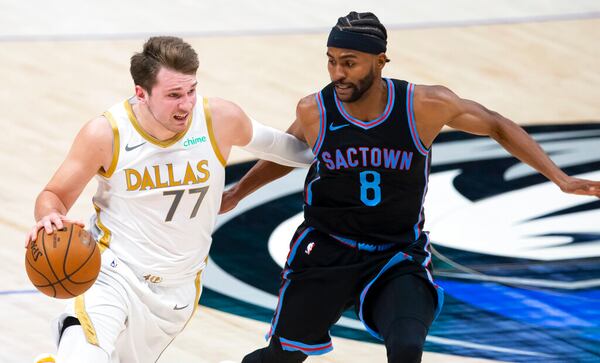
(173, 98)
(352, 72)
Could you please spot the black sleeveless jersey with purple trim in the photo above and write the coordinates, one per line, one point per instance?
(369, 178)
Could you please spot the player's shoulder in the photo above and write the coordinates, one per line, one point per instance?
(308, 100)
(307, 104)
(307, 110)
(98, 129)
(433, 94)
(230, 123)
(222, 108)
(95, 142)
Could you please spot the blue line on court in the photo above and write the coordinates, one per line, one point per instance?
(18, 292)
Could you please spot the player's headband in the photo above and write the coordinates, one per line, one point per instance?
(356, 41)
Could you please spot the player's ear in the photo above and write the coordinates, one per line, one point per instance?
(382, 59)
(140, 93)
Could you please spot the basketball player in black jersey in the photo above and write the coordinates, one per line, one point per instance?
(362, 242)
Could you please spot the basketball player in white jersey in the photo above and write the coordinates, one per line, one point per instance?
(159, 159)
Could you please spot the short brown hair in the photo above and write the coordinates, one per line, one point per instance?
(163, 51)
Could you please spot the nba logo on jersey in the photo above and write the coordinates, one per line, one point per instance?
(309, 248)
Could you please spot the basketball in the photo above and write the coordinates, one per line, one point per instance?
(63, 264)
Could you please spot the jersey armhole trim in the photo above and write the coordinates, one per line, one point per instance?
(104, 240)
(322, 124)
(116, 147)
(412, 125)
(211, 133)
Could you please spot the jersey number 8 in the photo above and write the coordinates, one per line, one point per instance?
(370, 192)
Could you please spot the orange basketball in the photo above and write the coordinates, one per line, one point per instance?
(63, 264)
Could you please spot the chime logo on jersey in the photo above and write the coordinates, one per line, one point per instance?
(483, 207)
(194, 140)
(164, 176)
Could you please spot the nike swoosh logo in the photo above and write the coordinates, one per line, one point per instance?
(333, 128)
(180, 307)
(129, 148)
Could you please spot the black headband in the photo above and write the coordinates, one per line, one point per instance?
(356, 41)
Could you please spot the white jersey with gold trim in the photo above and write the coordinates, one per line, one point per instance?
(157, 203)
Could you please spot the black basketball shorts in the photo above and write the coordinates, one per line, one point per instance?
(325, 275)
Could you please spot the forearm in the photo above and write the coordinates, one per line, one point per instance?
(47, 202)
(517, 142)
(279, 147)
(262, 173)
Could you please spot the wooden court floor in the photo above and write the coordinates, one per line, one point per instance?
(531, 72)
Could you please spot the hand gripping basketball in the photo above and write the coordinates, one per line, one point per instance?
(64, 263)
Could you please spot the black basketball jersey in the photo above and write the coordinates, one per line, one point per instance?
(369, 178)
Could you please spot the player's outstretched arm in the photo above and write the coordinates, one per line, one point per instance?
(92, 150)
(437, 106)
(263, 172)
(305, 128)
(235, 128)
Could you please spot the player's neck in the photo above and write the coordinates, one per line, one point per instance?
(150, 124)
(371, 104)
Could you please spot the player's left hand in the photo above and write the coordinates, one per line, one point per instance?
(581, 187)
(229, 200)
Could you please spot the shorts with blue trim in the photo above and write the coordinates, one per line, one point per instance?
(324, 275)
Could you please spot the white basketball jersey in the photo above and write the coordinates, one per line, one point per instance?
(157, 204)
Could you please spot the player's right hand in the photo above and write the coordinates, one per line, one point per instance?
(49, 223)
